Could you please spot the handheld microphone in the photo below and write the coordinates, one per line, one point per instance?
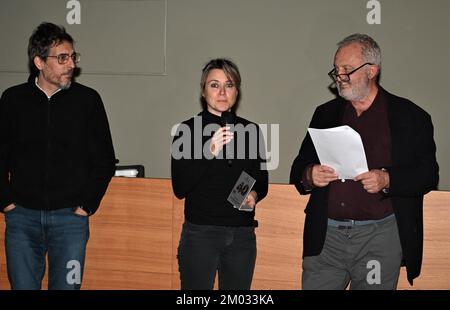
(228, 118)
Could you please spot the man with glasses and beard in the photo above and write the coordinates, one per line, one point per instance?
(56, 160)
(361, 231)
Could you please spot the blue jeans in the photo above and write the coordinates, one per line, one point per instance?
(32, 234)
(207, 249)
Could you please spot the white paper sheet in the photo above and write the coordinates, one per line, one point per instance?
(340, 148)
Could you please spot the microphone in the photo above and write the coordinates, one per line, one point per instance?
(228, 118)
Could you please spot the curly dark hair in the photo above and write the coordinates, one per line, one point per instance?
(45, 36)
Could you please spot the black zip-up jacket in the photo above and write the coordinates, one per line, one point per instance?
(54, 153)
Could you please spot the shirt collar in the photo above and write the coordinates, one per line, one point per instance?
(37, 85)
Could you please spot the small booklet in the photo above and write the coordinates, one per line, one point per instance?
(240, 192)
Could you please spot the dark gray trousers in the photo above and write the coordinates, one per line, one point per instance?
(207, 249)
(367, 256)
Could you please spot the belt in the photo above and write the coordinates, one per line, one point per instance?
(350, 223)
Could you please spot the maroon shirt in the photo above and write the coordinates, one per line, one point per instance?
(349, 200)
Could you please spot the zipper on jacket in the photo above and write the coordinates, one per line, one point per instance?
(47, 157)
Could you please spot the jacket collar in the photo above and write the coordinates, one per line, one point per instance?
(32, 82)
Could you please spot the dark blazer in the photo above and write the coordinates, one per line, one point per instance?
(414, 172)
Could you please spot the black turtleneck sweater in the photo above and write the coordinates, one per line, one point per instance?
(205, 181)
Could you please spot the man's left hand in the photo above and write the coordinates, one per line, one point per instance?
(374, 180)
(80, 211)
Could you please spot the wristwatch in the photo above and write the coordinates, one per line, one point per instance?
(386, 189)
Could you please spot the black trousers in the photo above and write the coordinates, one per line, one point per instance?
(207, 249)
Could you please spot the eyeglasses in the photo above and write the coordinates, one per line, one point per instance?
(64, 58)
(344, 77)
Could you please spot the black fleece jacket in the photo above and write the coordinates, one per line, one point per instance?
(206, 183)
(54, 153)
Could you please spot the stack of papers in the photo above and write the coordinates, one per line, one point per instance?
(340, 148)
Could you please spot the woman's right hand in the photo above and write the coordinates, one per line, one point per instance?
(221, 137)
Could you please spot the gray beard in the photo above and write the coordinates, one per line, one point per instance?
(66, 86)
(356, 93)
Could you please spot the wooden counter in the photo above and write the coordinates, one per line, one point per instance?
(135, 233)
